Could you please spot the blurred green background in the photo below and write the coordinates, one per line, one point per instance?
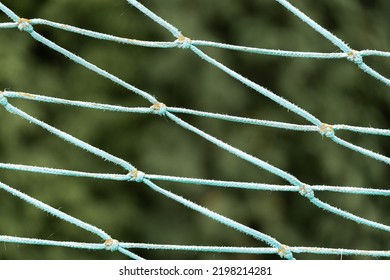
(335, 91)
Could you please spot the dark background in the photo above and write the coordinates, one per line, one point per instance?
(335, 91)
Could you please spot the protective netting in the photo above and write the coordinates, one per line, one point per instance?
(171, 113)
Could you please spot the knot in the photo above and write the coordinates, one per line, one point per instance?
(159, 108)
(3, 99)
(137, 175)
(306, 191)
(327, 130)
(284, 252)
(183, 42)
(111, 244)
(355, 57)
(25, 25)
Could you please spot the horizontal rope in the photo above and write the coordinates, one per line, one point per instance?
(267, 187)
(195, 181)
(210, 249)
(198, 43)
(224, 117)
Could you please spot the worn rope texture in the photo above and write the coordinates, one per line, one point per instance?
(159, 108)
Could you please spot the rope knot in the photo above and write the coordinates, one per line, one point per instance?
(3, 99)
(111, 244)
(137, 175)
(183, 42)
(355, 57)
(25, 25)
(159, 108)
(327, 130)
(306, 191)
(284, 252)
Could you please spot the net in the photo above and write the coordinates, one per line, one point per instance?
(274, 245)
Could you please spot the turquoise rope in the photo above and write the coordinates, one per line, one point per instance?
(219, 249)
(353, 56)
(194, 181)
(198, 43)
(176, 110)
